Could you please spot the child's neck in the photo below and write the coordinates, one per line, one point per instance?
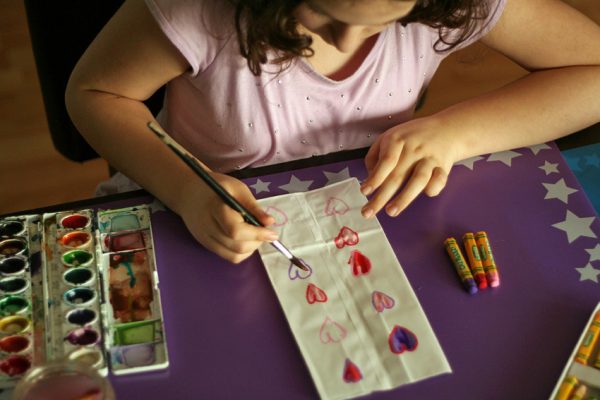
(334, 64)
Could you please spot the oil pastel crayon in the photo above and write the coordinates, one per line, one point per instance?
(566, 388)
(589, 341)
(474, 260)
(461, 265)
(579, 393)
(487, 259)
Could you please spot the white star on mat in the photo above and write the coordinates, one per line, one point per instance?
(538, 147)
(333, 177)
(592, 160)
(468, 162)
(504, 156)
(575, 226)
(296, 185)
(156, 206)
(588, 273)
(558, 190)
(260, 186)
(594, 253)
(549, 167)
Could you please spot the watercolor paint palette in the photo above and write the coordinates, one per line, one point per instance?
(580, 378)
(91, 295)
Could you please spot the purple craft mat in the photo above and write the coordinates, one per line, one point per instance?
(228, 338)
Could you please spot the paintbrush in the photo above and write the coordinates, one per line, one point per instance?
(193, 163)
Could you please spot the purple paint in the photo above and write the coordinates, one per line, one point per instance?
(81, 316)
(136, 355)
(402, 339)
(82, 336)
(294, 272)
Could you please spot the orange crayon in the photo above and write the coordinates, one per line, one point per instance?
(461, 265)
(474, 260)
(579, 393)
(487, 259)
(589, 341)
(566, 388)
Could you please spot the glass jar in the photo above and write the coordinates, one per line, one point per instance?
(59, 380)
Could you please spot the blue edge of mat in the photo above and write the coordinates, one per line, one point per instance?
(585, 163)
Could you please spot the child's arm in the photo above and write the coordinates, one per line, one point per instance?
(129, 60)
(561, 95)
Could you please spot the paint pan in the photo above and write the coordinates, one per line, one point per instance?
(137, 355)
(77, 258)
(11, 305)
(127, 241)
(79, 296)
(124, 222)
(13, 285)
(90, 357)
(82, 336)
(15, 365)
(75, 221)
(78, 276)
(76, 239)
(14, 344)
(82, 316)
(12, 247)
(14, 324)
(11, 228)
(13, 265)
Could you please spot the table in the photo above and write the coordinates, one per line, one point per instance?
(228, 337)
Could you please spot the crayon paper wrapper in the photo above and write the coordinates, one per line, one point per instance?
(355, 317)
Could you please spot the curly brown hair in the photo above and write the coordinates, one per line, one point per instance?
(264, 25)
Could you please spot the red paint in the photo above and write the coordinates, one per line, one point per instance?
(315, 294)
(75, 221)
(381, 301)
(331, 332)
(14, 344)
(336, 206)
(351, 372)
(15, 365)
(360, 263)
(346, 237)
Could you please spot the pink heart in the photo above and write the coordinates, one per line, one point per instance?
(351, 372)
(381, 301)
(336, 206)
(346, 237)
(280, 217)
(360, 263)
(315, 294)
(331, 332)
(294, 272)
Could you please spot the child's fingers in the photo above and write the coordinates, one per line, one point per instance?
(233, 226)
(372, 156)
(386, 164)
(438, 181)
(419, 179)
(223, 251)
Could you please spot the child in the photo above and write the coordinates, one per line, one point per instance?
(253, 82)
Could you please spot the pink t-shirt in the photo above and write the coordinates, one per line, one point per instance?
(231, 119)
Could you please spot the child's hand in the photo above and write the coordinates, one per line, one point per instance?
(217, 226)
(415, 156)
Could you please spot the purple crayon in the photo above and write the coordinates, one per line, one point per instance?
(461, 265)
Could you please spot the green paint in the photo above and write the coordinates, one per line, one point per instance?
(135, 332)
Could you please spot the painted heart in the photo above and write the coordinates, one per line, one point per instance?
(315, 294)
(294, 272)
(381, 301)
(336, 206)
(346, 237)
(351, 372)
(402, 339)
(281, 217)
(331, 332)
(360, 263)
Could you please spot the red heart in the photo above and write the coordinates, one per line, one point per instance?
(351, 372)
(336, 206)
(346, 237)
(360, 263)
(381, 301)
(315, 294)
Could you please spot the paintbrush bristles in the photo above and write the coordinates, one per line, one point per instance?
(299, 263)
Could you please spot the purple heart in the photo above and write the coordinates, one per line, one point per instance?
(297, 273)
(401, 339)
